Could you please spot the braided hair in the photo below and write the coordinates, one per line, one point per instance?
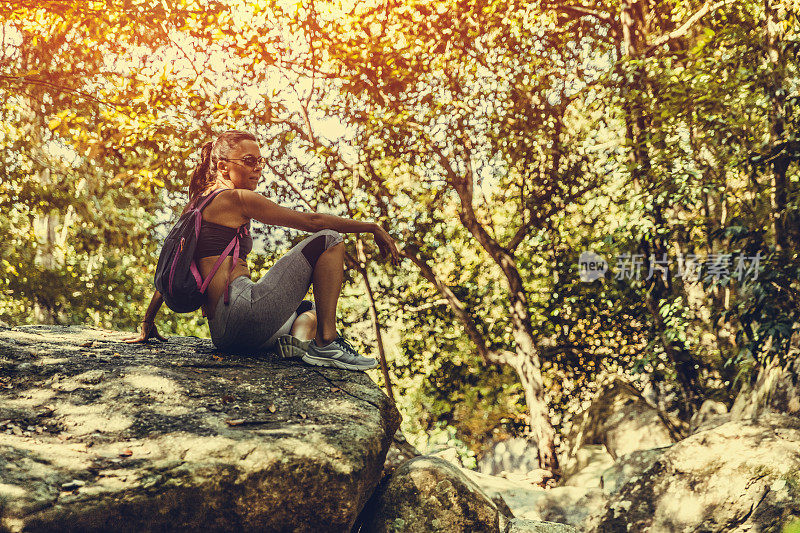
(204, 174)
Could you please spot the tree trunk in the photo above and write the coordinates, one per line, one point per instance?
(526, 362)
(528, 368)
(373, 310)
(360, 265)
(777, 96)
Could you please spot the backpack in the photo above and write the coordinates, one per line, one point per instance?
(177, 277)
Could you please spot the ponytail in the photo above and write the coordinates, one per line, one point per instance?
(202, 173)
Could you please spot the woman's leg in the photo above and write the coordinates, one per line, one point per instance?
(328, 277)
(286, 330)
(277, 295)
(327, 349)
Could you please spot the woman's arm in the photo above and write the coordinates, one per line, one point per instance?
(148, 328)
(264, 210)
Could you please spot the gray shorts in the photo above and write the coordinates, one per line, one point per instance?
(259, 312)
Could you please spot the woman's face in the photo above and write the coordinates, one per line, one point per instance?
(242, 165)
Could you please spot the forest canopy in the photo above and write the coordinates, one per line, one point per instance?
(579, 189)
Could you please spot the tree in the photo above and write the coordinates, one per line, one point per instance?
(488, 112)
(687, 79)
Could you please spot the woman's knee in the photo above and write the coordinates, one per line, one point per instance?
(332, 237)
(319, 243)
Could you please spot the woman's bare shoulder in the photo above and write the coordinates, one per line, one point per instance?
(226, 209)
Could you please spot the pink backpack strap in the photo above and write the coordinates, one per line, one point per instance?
(233, 247)
(234, 257)
(199, 219)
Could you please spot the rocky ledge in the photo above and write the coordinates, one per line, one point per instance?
(99, 435)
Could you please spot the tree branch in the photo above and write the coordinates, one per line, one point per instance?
(582, 10)
(488, 355)
(463, 187)
(684, 28)
(34, 81)
(290, 185)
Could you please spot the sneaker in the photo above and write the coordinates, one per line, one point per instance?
(290, 347)
(337, 354)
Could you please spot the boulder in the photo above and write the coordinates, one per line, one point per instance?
(777, 388)
(521, 525)
(429, 494)
(502, 490)
(517, 455)
(712, 413)
(99, 435)
(740, 476)
(628, 466)
(566, 505)
(633, 425)
(587, 466)
(623, 421)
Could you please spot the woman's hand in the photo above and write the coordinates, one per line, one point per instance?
(147, 332)
(386, 245)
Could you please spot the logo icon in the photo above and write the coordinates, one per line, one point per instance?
(591, 266)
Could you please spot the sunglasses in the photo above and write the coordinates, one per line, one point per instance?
(249, 160)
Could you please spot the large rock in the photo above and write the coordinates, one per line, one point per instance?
(712, 413)
(740, 476)
(515, 455)
(627, 467)
(565, 505)
(587, 466)
(98, 435)
(623, 421)
(429, 494)
(521, 525)
(777, 388)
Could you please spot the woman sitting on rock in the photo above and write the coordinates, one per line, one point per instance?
(257, 315)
